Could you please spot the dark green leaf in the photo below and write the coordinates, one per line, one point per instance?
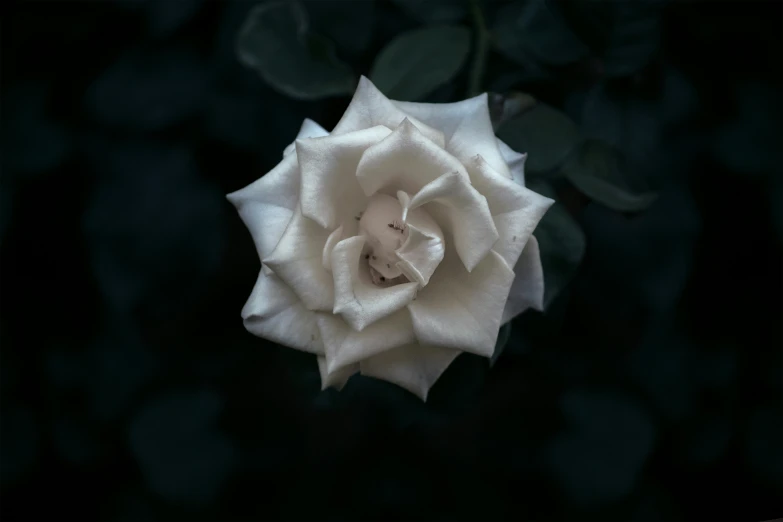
(634, 126)
(180, 453)
(561, 242)
(547, 135)
(505, 107)
(349, 24)
(275, 41)
(597, 171)
(435, 11)
(537, 29)
(633, 38)
(417, 62)
(503, 336)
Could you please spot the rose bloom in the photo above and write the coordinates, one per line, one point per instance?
(395, 242)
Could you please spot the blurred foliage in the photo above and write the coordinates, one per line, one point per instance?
(131, 391)
(417, 62)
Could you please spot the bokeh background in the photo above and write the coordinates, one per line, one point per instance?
(651, 389)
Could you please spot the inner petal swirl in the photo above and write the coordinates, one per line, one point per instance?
(400, 246)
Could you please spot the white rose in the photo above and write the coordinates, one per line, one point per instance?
(387, 245)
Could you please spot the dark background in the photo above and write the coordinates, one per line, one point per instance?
(131, 391)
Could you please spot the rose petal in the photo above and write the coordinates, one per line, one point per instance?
(330, 193)
(356, 298)
(461, 309)
(459, 208)
(298, 261)
(515, 161)
(515, 209)
(420, 255)
(334, 238)
(309, 129)
(344, 346)
(274, 312)
(527, 290)
(369, 107)
(267, 205)
(336, 379)
(466, 126)
(414, 367)
(406, 160)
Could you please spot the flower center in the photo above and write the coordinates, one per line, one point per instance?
(382, 226)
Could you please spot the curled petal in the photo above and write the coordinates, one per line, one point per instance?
(405, 160)
(466, 125)
(527, 290)
(330, 193)
(516, 210)
(267, 205)
(274, 312)
(336, 379)
(298, 261)
(309, 129)
(414, 367)
(420, 255)
(515, 161)
(356, 298)
(334, 238)
(344, 346)
(461, 309)
(370, 107)
(463, 211)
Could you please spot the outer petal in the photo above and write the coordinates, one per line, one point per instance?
(298, 261)
(356, 298)
(267, 205)
(274, 312)
(309, 129)
(369, 107)
(344, 347)
(336, 379)
(461, 309)
(406, 160)
(464, 212)
(527, 290)
(330, 193)
(414, 367)
(515, 209)
(515, 161)
(466, 126)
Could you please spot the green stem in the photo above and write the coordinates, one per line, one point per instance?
(480, 54)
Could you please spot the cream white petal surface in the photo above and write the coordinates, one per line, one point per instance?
(462, 210)
(334, 238)
(420, 255)
(516, 210)
(309, 129)
(405, 160)
(336, 379)
(298, 261)
(370, 107)
(274, 312)
(414, 367)
(344, 346)
(329, 190)
(515, 161)
(356, 298)
(466, 125)
(527, 290)
(461, 309)
(267, 205)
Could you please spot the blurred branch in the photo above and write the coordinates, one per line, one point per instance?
(482, 47)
